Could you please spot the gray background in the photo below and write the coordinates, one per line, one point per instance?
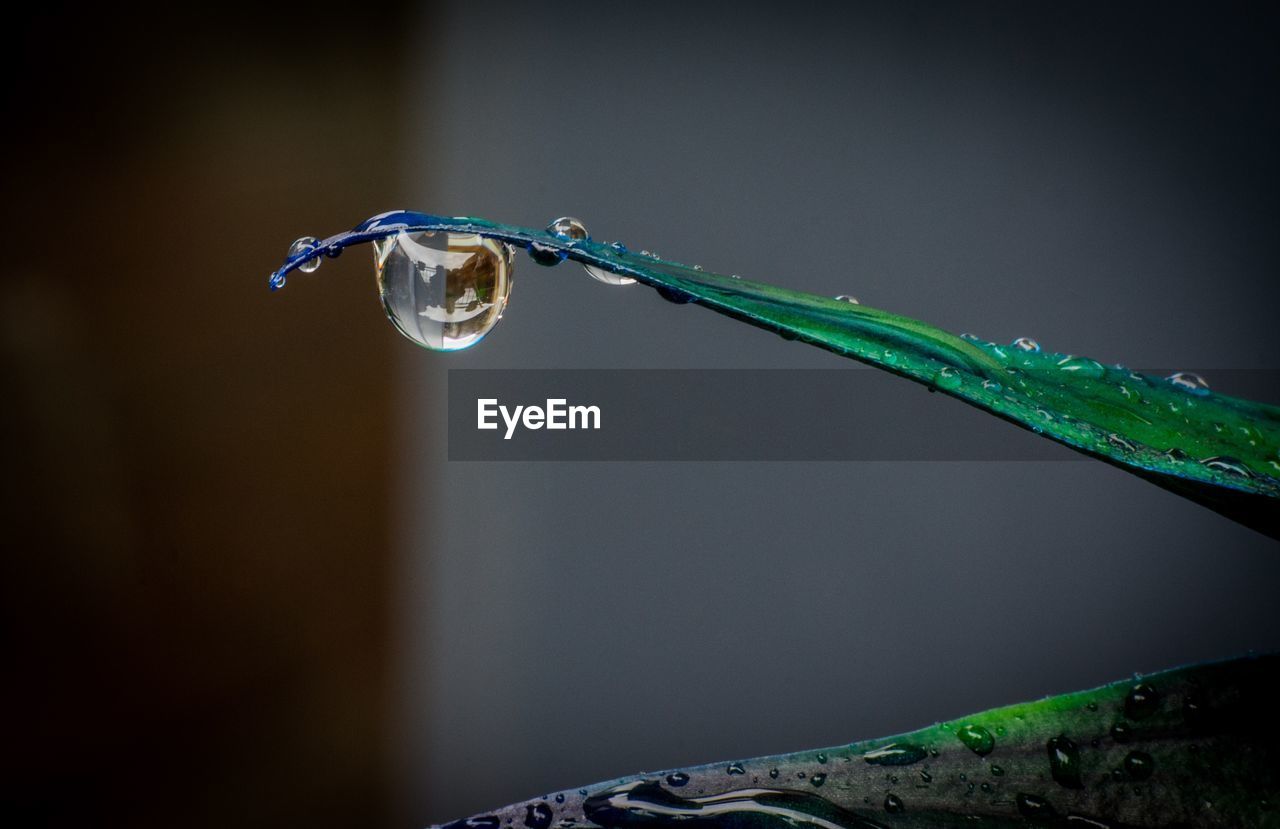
(1103, 179)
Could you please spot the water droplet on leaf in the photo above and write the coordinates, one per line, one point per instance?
(1026, 344)
(852, 300)
(1139, 765)
(977, 738)
(1064, 762)
(678, 779)
(567, 227)
(302, 245)
(893, 804)
(444, 291)
(1142, 702)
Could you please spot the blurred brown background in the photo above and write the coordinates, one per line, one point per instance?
(195, 584)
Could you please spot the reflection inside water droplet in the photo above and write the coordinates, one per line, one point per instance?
(444, 291)
(1026, 344)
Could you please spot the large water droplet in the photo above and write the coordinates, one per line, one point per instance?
(1189, 381)
(302, 245)
(607, 277)
(1064, 761)
(1142, 702)
(444, 291)
(1026, 344)
(977, 738)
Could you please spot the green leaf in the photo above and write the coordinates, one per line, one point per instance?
(1221, 451)
(1189, 747)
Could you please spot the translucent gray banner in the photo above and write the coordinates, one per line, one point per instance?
(738, 415)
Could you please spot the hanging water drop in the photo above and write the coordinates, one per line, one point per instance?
(444, 291)
(302, 245)
(1026, 344)
(1188, 381)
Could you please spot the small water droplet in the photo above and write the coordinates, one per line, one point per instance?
(977, 738)
(674, 295)
(736, 768)
(992, 386)
(1064, 761)
(1121, 443)
(893, 804)
(1176, 455)
(852, 300)
(1139, 765)
(1082, 367)
(544, 255)
(1121, 732)
(773, 773)
(1026, 344)
(302, 245)
(697, 267)
(1142, 702)
(567, 227)
(1189, 381)
(678, 779)
(986, 787)
(607, 277)
(996, 771)
(560, 798)
(818, 779)
(895, 754)
(1035, 807)
(947, 378)
(1229, 465)
(822, 758)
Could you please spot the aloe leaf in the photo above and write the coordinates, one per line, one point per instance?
(1221, 451)
(1192, 746)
